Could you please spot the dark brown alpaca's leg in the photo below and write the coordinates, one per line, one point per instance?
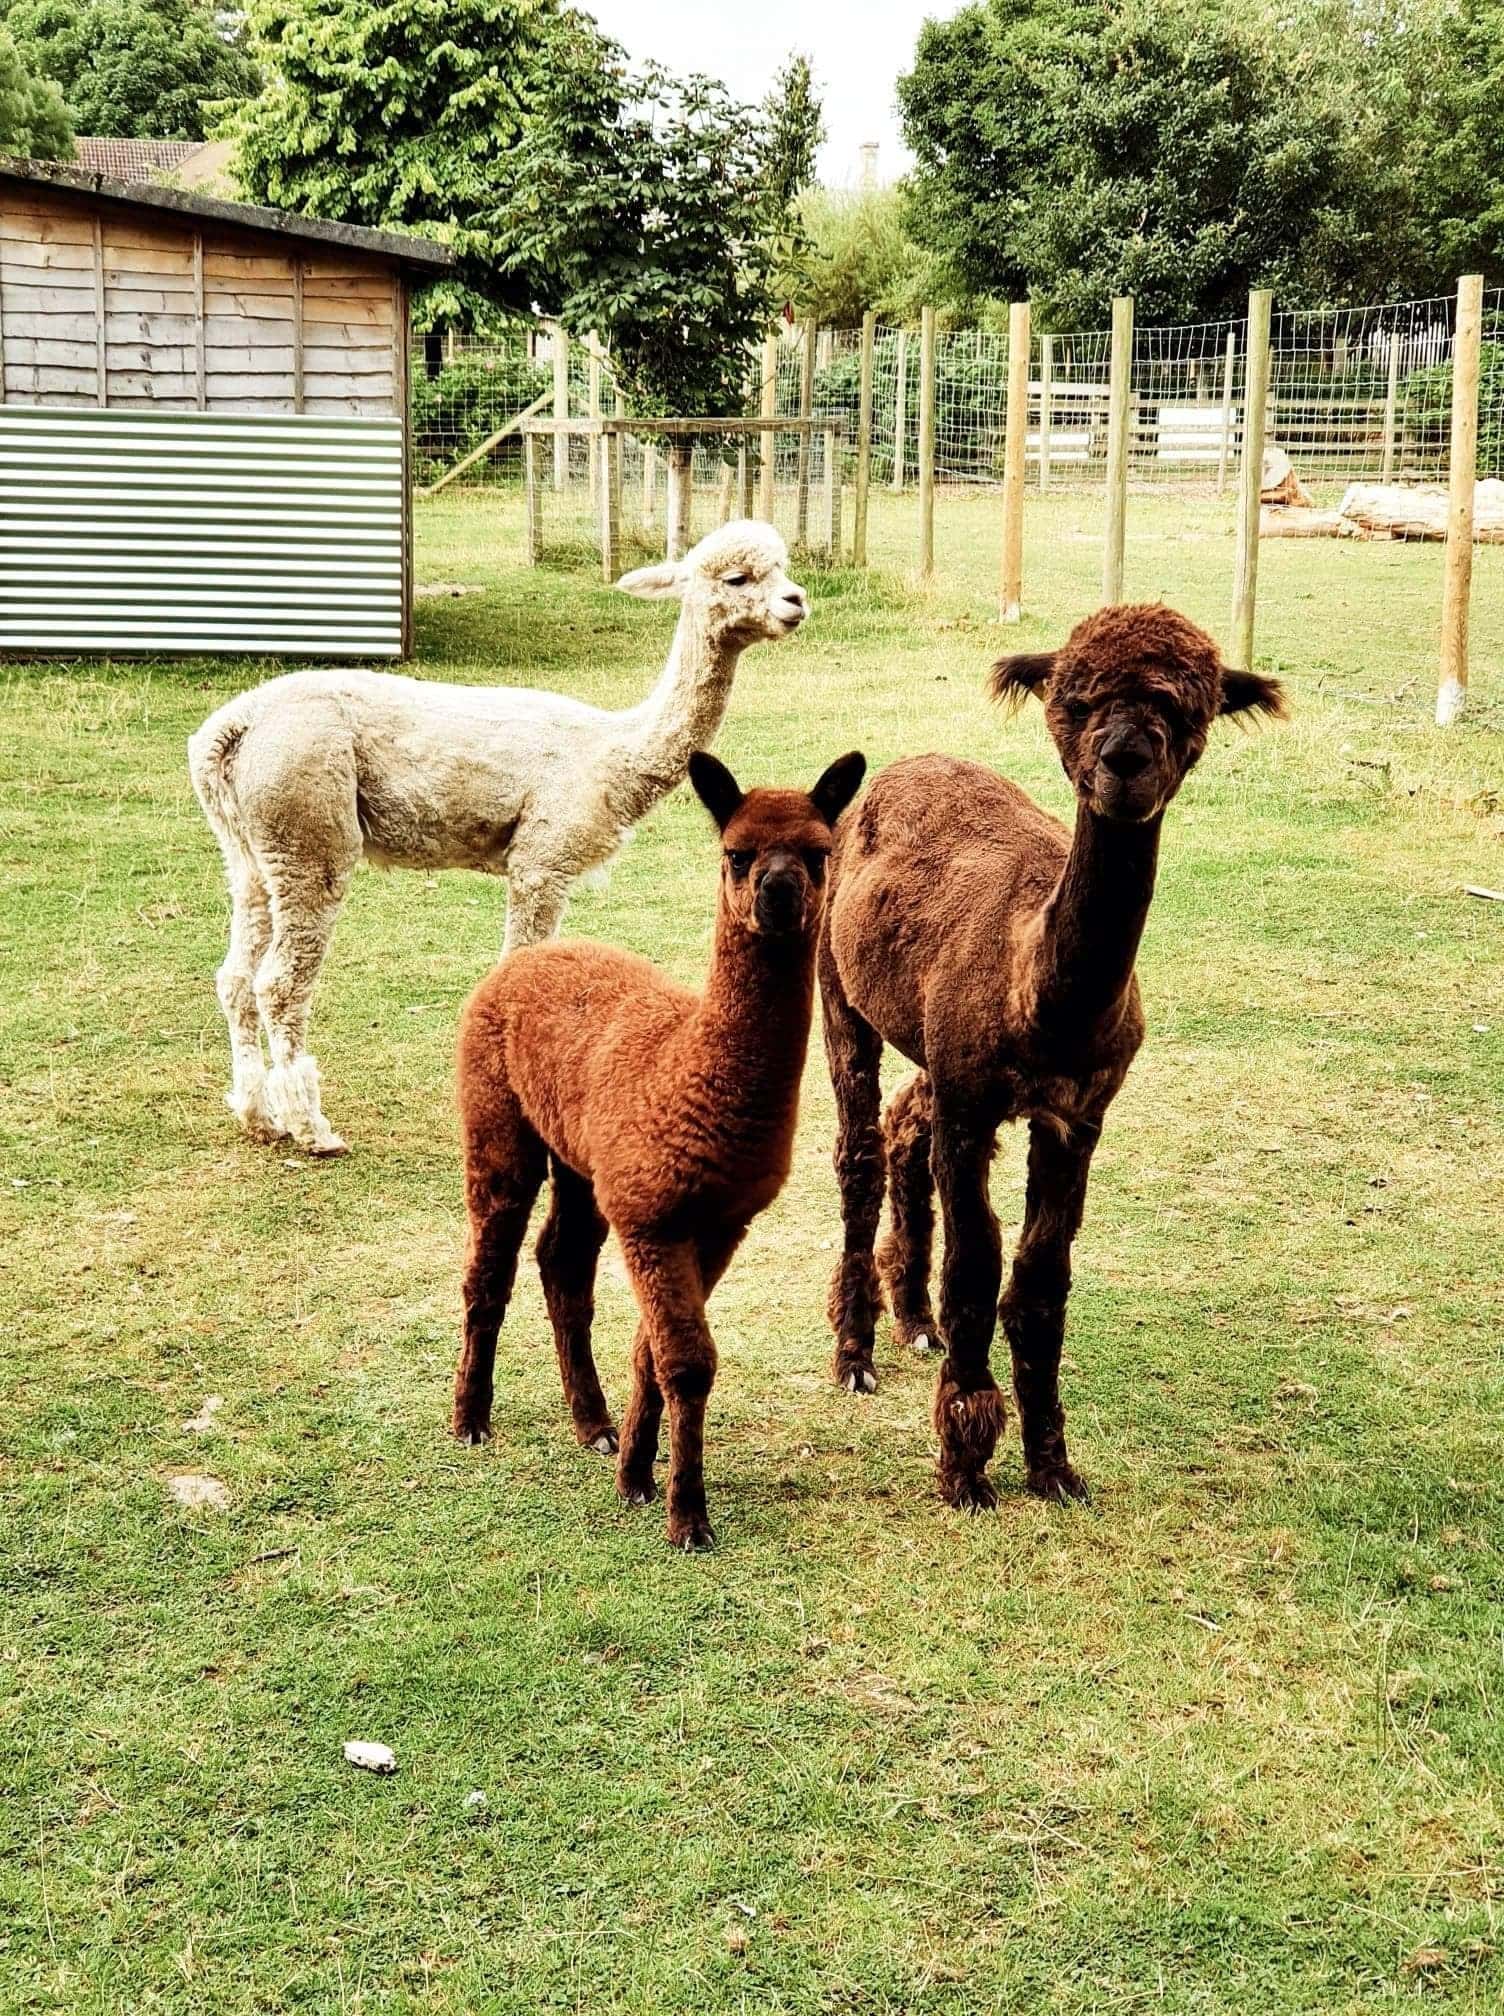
(969, 1414)
(672, 1298)
(503, 1172)
(903, 1259)
(1033, 1306)
(568, 1248)
(853, 1050)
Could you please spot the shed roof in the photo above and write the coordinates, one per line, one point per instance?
(420, 255)
(102, 154)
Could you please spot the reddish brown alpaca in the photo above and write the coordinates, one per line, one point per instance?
(664, 1114)
(971, 931)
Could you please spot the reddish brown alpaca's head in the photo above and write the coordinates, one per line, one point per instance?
(1129, 699)
(775, 844)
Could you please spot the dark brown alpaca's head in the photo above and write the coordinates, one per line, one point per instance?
(775, 844)
(1130, 698)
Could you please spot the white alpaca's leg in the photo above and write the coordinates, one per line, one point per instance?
(250, 934)
(535, 907)
(303, 912)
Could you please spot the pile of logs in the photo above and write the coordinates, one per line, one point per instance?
(1387, 511)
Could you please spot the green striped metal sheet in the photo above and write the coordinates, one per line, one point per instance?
(139, 531)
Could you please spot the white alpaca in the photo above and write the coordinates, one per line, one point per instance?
(302, 776)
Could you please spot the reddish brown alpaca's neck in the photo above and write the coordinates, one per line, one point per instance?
(755, 1012)
(1093, 921)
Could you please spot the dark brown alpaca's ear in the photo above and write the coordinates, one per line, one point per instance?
(715, 787)
(839, 785)
(1023, 672)
(1252, 693)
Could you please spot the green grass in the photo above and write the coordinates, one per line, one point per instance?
(1228, 1740)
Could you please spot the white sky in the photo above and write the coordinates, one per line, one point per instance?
(857, 48)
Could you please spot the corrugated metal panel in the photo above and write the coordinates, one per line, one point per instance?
(142, 531)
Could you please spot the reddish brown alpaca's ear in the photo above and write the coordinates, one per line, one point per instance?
(1252, 693)
(1024, 672)
(838, 785)
(715, 787)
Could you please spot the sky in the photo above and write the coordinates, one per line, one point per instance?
(857, 48)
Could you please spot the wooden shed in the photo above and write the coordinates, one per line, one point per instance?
(203, 423)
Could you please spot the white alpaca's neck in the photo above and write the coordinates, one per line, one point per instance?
(680, 715)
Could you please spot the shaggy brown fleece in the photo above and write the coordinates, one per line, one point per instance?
(665, 1114)
(996, 950)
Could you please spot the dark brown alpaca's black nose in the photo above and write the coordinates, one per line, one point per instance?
(1126, 755)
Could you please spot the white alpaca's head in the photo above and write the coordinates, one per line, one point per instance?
(735, 582)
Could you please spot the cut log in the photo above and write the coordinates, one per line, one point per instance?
(1279, 521)
(1396, 511)
(1278, 482)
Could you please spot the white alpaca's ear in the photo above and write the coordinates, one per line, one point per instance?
(663, 583)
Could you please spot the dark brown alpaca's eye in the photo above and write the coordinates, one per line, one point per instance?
(741, 862)
(814, 865)
(1076, 710)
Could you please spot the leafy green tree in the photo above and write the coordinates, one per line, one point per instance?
(1463, 151)
(136, 69)
(33, 118)
(1173, 149)
(858, 255)
(793, 127)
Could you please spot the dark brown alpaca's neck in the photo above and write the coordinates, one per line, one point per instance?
(1094, 921)
(756, 1009)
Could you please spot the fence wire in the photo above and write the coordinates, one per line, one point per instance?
(1356, 394)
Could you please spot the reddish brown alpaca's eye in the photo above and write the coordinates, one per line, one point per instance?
(1076, 710)
(741, 862)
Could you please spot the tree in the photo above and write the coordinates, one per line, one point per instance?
(1464, 150)
(1172, 149)
(404, 113)
(858, 255)
(136, 69)
(794, 126)
(34, 120)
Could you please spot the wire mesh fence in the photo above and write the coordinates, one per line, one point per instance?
(1355, 394)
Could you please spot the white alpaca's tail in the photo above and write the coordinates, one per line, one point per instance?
(211, 765)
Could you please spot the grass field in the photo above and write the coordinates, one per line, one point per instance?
(1229, 1739)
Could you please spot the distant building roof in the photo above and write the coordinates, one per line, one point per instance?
(132, 160)
(422, 255)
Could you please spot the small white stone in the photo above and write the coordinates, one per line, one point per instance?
(371, 1757)
(198, 1494)
(476, 1802)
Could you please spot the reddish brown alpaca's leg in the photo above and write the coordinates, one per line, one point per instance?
(968, 1408)
(639, 1427)
(903, 1259)
(1033, 1306)
(672, 1299)
(568, 1248)
(503, 1171)
(853, 1050)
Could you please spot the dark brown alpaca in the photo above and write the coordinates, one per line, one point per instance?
(971, 931)
(664, 1114)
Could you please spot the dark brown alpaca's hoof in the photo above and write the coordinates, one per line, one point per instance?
(636, 1490)
(853, 1368)
(470, 1428)
(601, 1440)
(1060, 1484)
(473, 1438)
(974, 1493)
(917, 1333)
(691, 1536)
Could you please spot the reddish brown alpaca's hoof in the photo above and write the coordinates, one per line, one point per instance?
(691, 1536)
(968, 1425)
(472, 1437)
(1061, 1484)
(636, 1490)
(852, 1368)
(601, 1440)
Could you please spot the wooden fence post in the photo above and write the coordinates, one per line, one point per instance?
(681, 483)
(1046, 377)
(806, 408)
(561, 406)
(1229, 368)
(900, 409)
(649, 482)
(744, 479)
(1010, 585)
(1250, 480)
(1451, 694)
(596, 447)
(1391, 407)
(766, 442)
(927, 443)
(609, 498)
(530, 538)
(863, 442)
(1120, 389)
(830, 449)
